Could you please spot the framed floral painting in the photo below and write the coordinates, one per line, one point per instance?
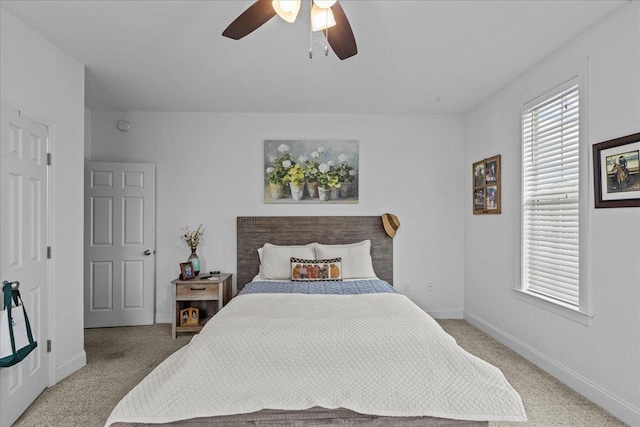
(311, 171)
(486, 186)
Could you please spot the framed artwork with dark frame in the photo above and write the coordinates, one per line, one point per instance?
(616, 174)
(186, 271)
(486, 186)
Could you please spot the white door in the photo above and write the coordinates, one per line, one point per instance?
(23, 249)
(119, 282)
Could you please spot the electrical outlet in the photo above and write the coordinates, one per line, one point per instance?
(407, 286)
(430, 286)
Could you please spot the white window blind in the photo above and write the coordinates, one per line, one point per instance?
(550, 195)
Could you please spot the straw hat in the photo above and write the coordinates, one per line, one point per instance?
(390, 223)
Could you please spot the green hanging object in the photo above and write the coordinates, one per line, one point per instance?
(16, 339)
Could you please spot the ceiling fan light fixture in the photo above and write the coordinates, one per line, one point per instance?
(340, 38)
(287, 9)
(324, 4)
(321, 19)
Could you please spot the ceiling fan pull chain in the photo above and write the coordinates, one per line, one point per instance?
(326, 34)
(310, 30)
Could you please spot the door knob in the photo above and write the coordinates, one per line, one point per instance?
(147, 252)
(14, 285)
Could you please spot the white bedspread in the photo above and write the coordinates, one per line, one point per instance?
(375, 354)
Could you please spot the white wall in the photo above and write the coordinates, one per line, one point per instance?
(87, 135)
(41, 79)
(602, 360)
(409, 165)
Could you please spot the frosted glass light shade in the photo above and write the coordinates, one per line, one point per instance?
(287, 9)
(321, 19)
(324, 4)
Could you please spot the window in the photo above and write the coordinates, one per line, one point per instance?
(553, 209)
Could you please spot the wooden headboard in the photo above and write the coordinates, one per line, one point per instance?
(255, 231)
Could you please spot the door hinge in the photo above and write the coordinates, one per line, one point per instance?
(48, 346)
(48, 159)
(48, 252)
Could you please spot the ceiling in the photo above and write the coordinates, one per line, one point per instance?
(414, 57)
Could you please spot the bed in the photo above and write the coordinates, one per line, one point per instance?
(319, 352)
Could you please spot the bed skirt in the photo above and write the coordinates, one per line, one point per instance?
(313, 417)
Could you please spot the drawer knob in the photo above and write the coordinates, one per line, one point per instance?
(198, 289)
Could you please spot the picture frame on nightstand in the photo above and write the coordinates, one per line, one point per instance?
(190, 316)
(186, 271)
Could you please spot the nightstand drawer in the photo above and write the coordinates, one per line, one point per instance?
(197, 291)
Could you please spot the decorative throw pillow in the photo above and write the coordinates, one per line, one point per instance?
(309, 270)
(356, 258)
(275, 259)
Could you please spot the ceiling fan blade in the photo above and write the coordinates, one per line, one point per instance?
(250, 20)
(340, 37)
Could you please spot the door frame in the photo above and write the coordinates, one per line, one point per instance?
(51, 126)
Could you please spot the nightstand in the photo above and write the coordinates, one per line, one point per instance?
(202, 293)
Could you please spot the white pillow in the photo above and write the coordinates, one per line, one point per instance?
(276, 260)
(356, 258)
(260, 273)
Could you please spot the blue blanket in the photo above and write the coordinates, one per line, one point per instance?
(321, 287)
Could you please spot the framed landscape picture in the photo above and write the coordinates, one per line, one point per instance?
(616, 172)
(486, 186)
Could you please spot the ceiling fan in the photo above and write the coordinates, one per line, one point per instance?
(326, 16)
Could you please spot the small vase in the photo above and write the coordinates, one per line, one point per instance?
(286, 191)
(323, 193)
(345, 190)
(335, 193)
(276, 191)
(297, 190)
(194, 259)
(312, 189)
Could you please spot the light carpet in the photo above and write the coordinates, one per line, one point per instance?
(118, 358)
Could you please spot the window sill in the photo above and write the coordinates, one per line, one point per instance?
(557, 307)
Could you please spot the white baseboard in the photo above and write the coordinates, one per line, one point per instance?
(604, 398)
(163, 318)
(70, 367)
